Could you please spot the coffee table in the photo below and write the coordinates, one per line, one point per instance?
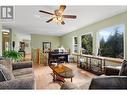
(62, 71)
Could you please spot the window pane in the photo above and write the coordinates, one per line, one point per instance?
(75, 40)
(111, 42)
(87, 42)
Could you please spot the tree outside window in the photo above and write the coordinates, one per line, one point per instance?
(87, 44)
(111, 42)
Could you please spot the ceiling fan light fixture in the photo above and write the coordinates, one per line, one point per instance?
(58, 19)
(58, 16)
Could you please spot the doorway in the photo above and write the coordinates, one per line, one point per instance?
(5, 40)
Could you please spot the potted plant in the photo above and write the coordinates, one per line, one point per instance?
(12, 55)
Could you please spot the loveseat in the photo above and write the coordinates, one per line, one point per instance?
(16, 75)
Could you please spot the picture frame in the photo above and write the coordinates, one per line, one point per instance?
(46, 46)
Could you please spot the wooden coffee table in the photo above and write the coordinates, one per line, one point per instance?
(62, 71)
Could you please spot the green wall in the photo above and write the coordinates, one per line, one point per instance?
(0, 39)
(67, 40)
(36, 41)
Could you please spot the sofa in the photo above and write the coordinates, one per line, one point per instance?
(16, 75)
(111, 82)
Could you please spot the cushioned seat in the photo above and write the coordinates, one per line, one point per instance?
(22, 83)
(23, 76)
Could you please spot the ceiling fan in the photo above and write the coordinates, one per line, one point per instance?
(58, 16)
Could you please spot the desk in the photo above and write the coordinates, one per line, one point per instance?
(57, 57)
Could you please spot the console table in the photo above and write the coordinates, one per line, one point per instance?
(95, 64)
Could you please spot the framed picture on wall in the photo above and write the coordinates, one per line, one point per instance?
(46, 46)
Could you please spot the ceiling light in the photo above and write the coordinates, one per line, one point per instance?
(5, 33)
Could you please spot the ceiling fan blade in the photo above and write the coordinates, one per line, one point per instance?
(49, 20)
(46, 12)
(70, 16)
(62, 22)
(62, 8)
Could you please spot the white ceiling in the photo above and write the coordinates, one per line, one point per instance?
(28, 19)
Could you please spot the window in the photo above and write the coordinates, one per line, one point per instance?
(87, 44)
(75, 39)
(111, 42)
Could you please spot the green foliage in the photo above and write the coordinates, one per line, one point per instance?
(87, 44)
(13, 55)
(113, 47)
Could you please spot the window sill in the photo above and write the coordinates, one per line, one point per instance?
(115, 60)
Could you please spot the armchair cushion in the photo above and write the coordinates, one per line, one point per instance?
(5, 74)
(1, 76)
(23, 83)
(24, 76)
(19, 72)
(123, 71)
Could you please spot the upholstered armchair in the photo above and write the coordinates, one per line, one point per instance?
(16, 75)
(111, 82)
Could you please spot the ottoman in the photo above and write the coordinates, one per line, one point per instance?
(68, 86)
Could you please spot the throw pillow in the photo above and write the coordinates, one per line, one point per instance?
(1, 58)
(7, 75)
(123, 71)
(1, 76)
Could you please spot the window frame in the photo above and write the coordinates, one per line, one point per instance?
(98, 39)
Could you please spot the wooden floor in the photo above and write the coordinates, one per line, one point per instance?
(44, 79)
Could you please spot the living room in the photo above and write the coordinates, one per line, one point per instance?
(79, 38)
